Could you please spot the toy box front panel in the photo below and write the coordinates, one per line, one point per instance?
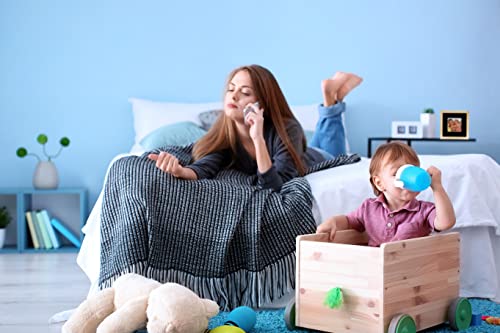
(356, 269)
(421, 278)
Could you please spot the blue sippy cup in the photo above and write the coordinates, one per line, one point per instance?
(412, 178)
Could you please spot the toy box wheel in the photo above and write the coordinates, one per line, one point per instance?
(402, 323)
(289, 315)
(460, 314)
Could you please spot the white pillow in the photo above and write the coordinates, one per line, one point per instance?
(308, 116)
(150, 115)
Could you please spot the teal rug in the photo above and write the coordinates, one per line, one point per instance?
(272, 320)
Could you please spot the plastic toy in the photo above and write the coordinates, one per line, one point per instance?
(403, 286)
(491, 320)
(413, 178)
(240, 320)
(476, 320)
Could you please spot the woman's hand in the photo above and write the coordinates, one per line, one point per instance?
(255, 120)
(170, 164)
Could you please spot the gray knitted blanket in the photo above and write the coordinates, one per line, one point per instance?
(224, 238)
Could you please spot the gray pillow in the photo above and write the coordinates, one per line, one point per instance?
(208, 118)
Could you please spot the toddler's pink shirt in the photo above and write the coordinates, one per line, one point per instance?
(415, 219)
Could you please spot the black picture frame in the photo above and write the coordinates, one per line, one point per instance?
(455, 125)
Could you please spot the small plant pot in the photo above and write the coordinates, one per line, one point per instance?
(428, 121)
(2, 238)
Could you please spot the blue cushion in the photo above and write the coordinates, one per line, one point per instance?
(176, 134)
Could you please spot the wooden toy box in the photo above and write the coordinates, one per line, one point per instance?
(418, 277)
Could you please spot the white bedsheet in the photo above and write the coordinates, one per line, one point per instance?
(472, 182)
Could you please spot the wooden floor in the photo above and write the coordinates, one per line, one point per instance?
(33, 287)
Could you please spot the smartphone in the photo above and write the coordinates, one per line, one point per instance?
(250, 108)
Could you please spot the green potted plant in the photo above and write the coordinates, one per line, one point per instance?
(428, 120)
(45, 176)
(5, 219)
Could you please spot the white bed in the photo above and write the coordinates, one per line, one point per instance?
(472, 182)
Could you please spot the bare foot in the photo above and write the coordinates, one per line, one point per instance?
(352, 82)
(331, 87)
(339, 74)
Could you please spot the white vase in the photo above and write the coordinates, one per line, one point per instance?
(428, 121)
(2, 237)
(45, 176)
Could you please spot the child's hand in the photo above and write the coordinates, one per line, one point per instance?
(445, 214)
(435, 174)
(329, 227)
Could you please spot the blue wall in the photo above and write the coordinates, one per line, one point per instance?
(68, 67)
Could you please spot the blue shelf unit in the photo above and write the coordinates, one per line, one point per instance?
(68, 205)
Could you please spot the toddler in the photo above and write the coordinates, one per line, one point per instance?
(395, 214)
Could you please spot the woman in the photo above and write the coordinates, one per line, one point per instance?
(268, 141)
(225, 239)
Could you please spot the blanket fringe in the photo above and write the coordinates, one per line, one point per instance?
(253, 289)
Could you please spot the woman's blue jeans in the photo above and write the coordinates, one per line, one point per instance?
(329, 134)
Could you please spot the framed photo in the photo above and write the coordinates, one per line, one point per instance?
(455, 125)
(406, 129)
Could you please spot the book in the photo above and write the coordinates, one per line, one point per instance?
(32, 230)
(44, 216)
(43, 228)
(38, 231)
(61, 228)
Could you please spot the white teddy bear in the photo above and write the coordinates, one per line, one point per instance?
(134, 301)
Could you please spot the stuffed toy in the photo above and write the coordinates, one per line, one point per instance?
(134, 300)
